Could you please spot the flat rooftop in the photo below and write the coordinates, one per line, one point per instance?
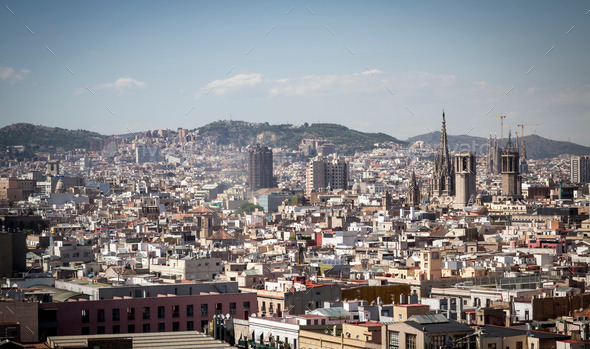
(178, 340)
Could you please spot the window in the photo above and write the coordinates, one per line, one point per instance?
(518, 345)
(189, 310)
(116, 316)
(85, 316)
(161, 327)
(438, 341)
(146, 328)
(410, 341)
(204, 309)
(232, 308)
(131, 314)
(100, 315)
(100, 330)
(161, 312)
(116, 329)
(218, 308)
(176, 326)
(190, 326)
(130, 328)
(145, 313)
(85, 330)
(175, 311)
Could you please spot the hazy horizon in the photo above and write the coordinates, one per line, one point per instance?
(374, 67)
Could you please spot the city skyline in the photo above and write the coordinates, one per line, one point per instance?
(383, 68)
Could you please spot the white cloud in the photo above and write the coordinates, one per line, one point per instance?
(13, 76)
(365, 82)
(236, 82)
(121, 85)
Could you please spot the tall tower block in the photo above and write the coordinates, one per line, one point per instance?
(260, 168)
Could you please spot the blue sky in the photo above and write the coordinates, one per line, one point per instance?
(374, 66)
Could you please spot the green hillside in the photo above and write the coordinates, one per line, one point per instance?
(43, 138)
(241, 133)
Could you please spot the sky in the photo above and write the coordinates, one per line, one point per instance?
(379, 66)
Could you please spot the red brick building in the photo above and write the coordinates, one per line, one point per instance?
(140, 315)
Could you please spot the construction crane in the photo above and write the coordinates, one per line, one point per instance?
(502, 117)
(522, 134)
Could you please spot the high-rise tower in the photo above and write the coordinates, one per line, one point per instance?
(464, 178)
(260, 168)
(325, 173)
(443, 178)
(580, 169)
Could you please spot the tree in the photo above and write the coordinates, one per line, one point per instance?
(248, 208)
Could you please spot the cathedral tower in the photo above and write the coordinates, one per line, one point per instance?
(443, 178)
(464, 178)
(511, 183)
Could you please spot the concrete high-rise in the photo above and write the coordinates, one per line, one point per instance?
(443, 178)
(511, 181)
(465, 170)
(580, 169)
(260, 168)
(325, 173)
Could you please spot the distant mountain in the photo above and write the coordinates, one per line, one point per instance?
(43, 138)
(241, 133)
(537, 147)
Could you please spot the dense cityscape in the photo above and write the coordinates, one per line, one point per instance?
(294, 175)
(167, 239)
